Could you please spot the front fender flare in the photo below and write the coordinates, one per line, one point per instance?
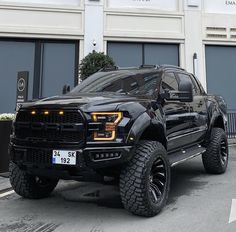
(139, 126)
(144, 122)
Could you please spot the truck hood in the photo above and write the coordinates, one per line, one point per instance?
(89, 101)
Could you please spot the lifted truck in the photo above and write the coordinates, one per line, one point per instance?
(131, 124)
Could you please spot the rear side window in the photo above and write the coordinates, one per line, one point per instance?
(199, 86)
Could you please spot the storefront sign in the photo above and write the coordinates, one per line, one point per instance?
(166, 5)
(22, 88)
(220, 6)
(50, 2)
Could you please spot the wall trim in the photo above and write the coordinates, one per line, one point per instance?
(219, 42)
(41, 36)
(144, 40)
(40, 7)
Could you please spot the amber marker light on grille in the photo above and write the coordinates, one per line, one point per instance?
(33, 112)
(46, 112)
(61, 113)
(110, 126)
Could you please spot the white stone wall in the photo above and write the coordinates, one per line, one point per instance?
(28, 18)
(44, 2)
(191, 23)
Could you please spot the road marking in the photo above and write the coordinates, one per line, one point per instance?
(232, 217)
(6, 193)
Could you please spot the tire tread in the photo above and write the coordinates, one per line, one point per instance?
(132, 183)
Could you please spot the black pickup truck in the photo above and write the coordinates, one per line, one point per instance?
(130, 124)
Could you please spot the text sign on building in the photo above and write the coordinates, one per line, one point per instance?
(22, 88)
(49, 2)
(165, 5)
(220, 6)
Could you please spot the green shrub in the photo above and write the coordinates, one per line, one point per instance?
(93, 62)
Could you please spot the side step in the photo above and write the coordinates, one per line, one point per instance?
(185, 154)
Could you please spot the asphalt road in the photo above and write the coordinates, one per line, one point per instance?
(198, 202)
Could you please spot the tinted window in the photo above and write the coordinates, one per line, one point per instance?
(196, 84)
(169, 82)
(120, 82)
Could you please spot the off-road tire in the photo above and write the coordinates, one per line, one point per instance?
(135, 179)
(29, 186)
(215, 159)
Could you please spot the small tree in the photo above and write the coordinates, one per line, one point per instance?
(93, 62)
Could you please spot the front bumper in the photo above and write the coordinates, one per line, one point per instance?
(88, 160)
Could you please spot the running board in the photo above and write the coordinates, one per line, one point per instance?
(185, 154)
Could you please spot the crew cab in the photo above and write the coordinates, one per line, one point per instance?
(132, 124)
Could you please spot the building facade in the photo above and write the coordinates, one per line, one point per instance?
(48, 38)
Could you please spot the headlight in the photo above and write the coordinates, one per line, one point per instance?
(110, 121)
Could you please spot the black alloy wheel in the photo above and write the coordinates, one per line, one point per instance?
(157, 180)
(224, 152)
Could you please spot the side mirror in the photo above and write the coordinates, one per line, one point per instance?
(66, 89)
(185, 93)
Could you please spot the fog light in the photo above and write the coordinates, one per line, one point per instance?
(105, 156)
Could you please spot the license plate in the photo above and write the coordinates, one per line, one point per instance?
(64, 157)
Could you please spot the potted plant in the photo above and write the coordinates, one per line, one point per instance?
(5, 131)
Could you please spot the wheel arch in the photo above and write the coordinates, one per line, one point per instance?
(155, 133)
(146, 128)
(218, 121)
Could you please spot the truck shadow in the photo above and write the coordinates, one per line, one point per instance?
(185, 180)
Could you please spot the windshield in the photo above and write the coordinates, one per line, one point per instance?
(120, 82)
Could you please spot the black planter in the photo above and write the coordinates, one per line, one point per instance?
(5, 130)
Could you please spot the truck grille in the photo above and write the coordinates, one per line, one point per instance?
(53, 117)
(39, 157)
(53, 127)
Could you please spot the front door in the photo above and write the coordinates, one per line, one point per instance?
(198, 111)
(177, 116)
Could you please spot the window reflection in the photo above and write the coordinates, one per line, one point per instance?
(120, 82)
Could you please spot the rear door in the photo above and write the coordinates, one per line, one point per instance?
(177, 115)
